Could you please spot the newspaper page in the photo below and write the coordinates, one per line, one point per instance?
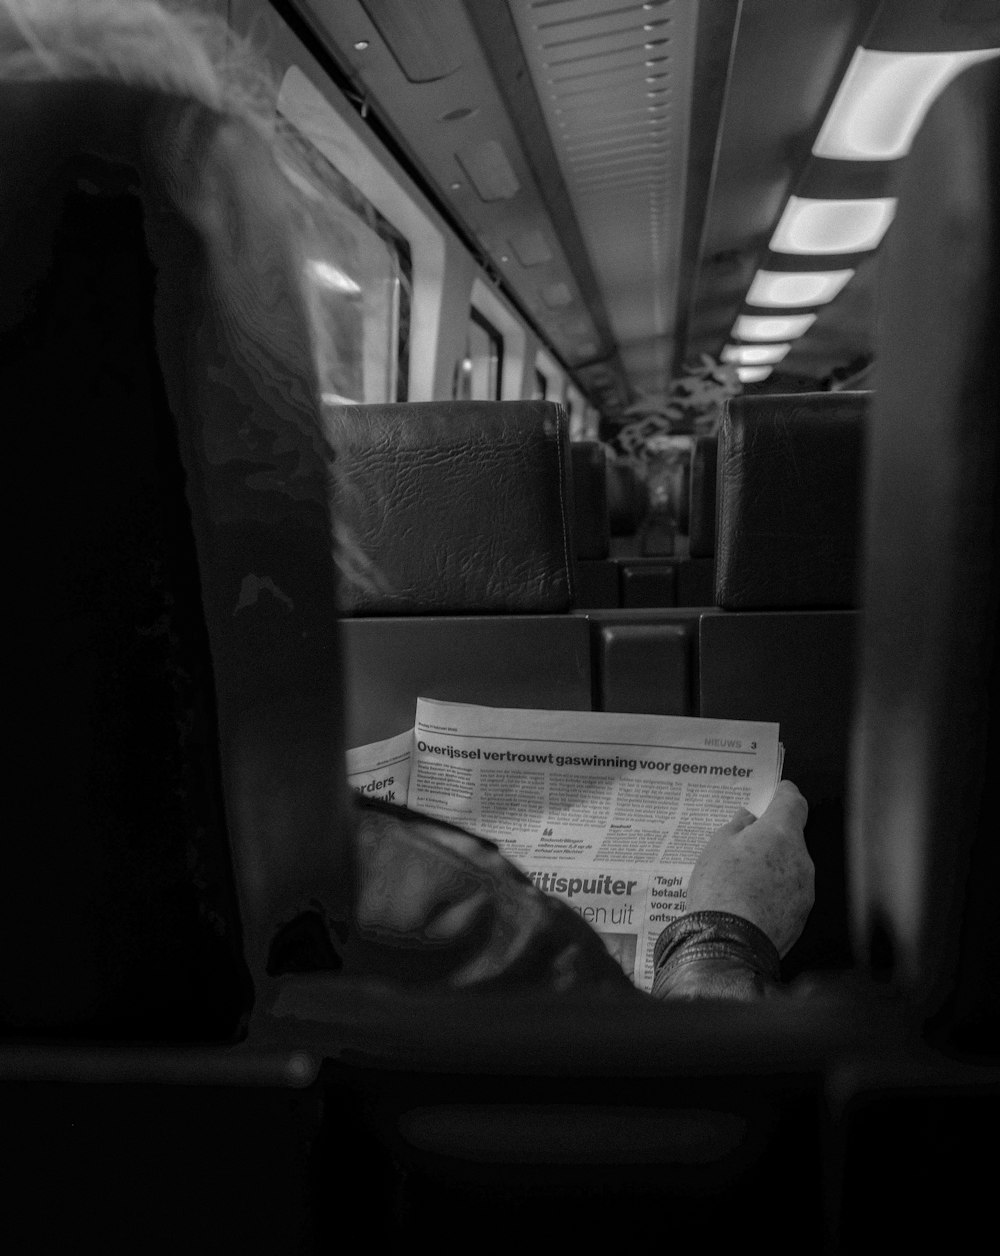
(382, 768)
(607, 812)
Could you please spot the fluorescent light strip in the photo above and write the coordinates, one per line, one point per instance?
(754, 355)
(781, 289)
(771, 327)
(753, 374)
(883, 99)
(832, 226)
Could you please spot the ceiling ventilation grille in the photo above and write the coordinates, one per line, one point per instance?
(614, 80)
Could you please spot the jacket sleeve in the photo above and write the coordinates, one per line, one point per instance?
(714, 955)
(438, 906)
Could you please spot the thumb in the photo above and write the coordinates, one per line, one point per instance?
(741, 820)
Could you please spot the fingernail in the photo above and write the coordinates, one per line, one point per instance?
(744, 818)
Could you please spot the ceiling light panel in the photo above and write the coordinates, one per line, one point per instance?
(753, 374)
(767, 327)
(882, 101)
(812, 226)
(754, 355)
(789, 289)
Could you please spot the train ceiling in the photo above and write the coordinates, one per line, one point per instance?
(621, 166)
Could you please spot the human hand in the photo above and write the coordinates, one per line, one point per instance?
(759, 869)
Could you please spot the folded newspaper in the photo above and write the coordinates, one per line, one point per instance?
(607, 812)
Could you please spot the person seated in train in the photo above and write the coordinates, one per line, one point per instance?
(433, 906)
(486, 924)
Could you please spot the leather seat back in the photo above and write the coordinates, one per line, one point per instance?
(789, 500)
(459, 506)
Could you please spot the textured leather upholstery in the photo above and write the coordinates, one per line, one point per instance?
(460, 506)
(789, 500)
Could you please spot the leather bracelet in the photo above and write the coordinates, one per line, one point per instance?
(726, 946)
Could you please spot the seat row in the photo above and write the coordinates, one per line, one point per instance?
(465, 516)
(467, 520)
(628, 559)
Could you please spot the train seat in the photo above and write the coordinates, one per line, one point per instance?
(789, 500)
(157, 569)
(591, 521)
(782, 647)
(789, 538)
(181, 684)
(463, 512)
(458, 507)
(627, 507)
(923, 857)
(686, 577)
(787, 480)
(701, 510)
(596, 575)
(645, 655)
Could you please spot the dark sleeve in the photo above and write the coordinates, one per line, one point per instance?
(714, 955)
(436, 905)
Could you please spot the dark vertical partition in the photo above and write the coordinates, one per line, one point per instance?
(923, 835)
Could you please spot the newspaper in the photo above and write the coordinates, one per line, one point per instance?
(607, 812)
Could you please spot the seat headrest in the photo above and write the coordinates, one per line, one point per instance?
(461, 507)
(789, 500)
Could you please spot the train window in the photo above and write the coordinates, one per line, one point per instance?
(360, 271)
(478, 375)
(584, 419)
(575, 407)
(550, 383)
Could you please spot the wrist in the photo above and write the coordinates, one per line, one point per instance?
(714, 954)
